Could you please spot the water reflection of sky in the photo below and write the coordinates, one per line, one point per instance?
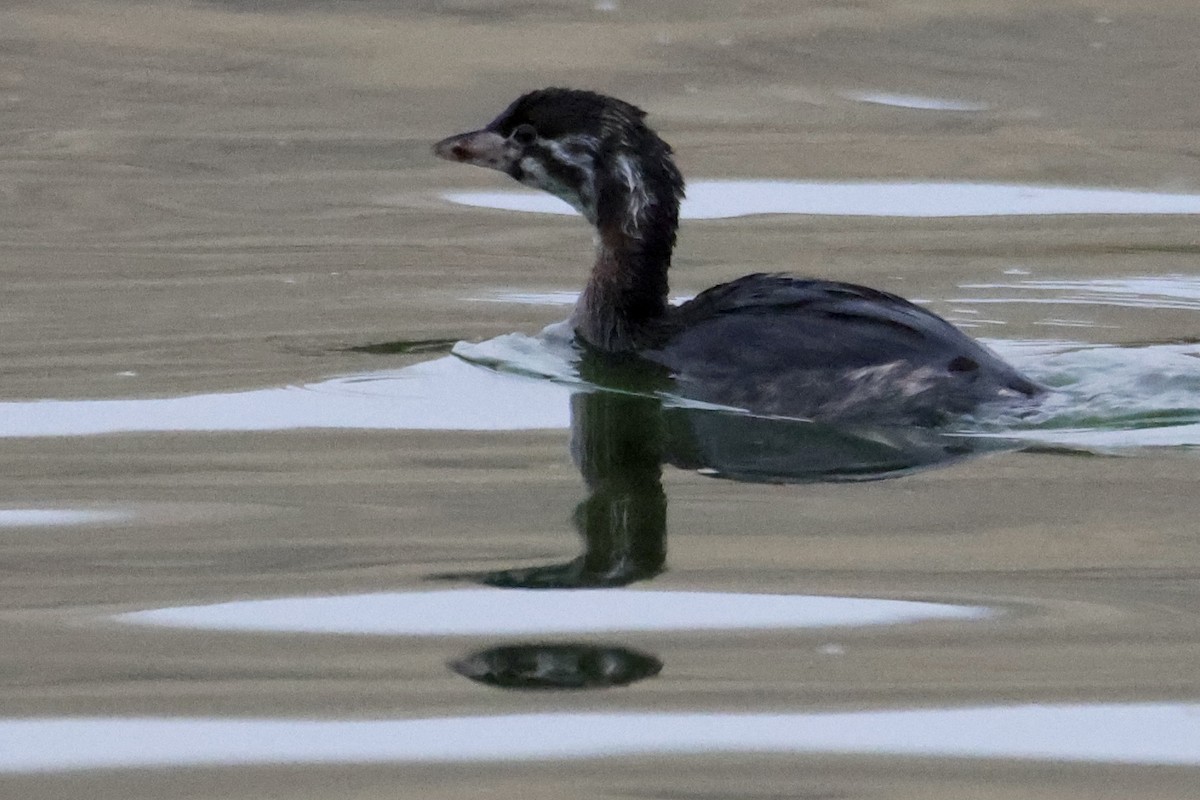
(465, 612)
(913, 101)
(1146, 733)
(54, 517)
(740, 198)
(443, 394)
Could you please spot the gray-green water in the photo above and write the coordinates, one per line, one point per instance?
(231, 277)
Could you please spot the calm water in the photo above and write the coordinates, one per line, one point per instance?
(306, 494)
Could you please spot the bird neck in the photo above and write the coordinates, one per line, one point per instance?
(637, 213)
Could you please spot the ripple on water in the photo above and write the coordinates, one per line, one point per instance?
(1145, 733)
(1172, 292)
(725, 199)
(1108, 398)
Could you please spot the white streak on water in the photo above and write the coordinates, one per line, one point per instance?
(549, 298)
(913, 101)
(1145, 733)
(552, 298)
(52, 517)
(443, 394)
(487, 611)
(725, 199)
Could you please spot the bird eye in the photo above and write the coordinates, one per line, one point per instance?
(524, 134)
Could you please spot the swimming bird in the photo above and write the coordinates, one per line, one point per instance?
(773, 344)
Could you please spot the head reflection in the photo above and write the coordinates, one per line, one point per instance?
(557, 665)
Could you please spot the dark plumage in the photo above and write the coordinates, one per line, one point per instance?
(773, 344)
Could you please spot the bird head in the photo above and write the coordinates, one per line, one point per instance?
(593, 151)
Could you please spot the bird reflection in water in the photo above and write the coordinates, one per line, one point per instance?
(622, 433)
(557, 666)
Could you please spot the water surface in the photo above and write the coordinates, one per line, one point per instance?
(232, 277)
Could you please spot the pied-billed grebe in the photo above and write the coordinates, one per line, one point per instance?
(768, 343)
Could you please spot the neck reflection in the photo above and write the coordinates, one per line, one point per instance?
(622, 433)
